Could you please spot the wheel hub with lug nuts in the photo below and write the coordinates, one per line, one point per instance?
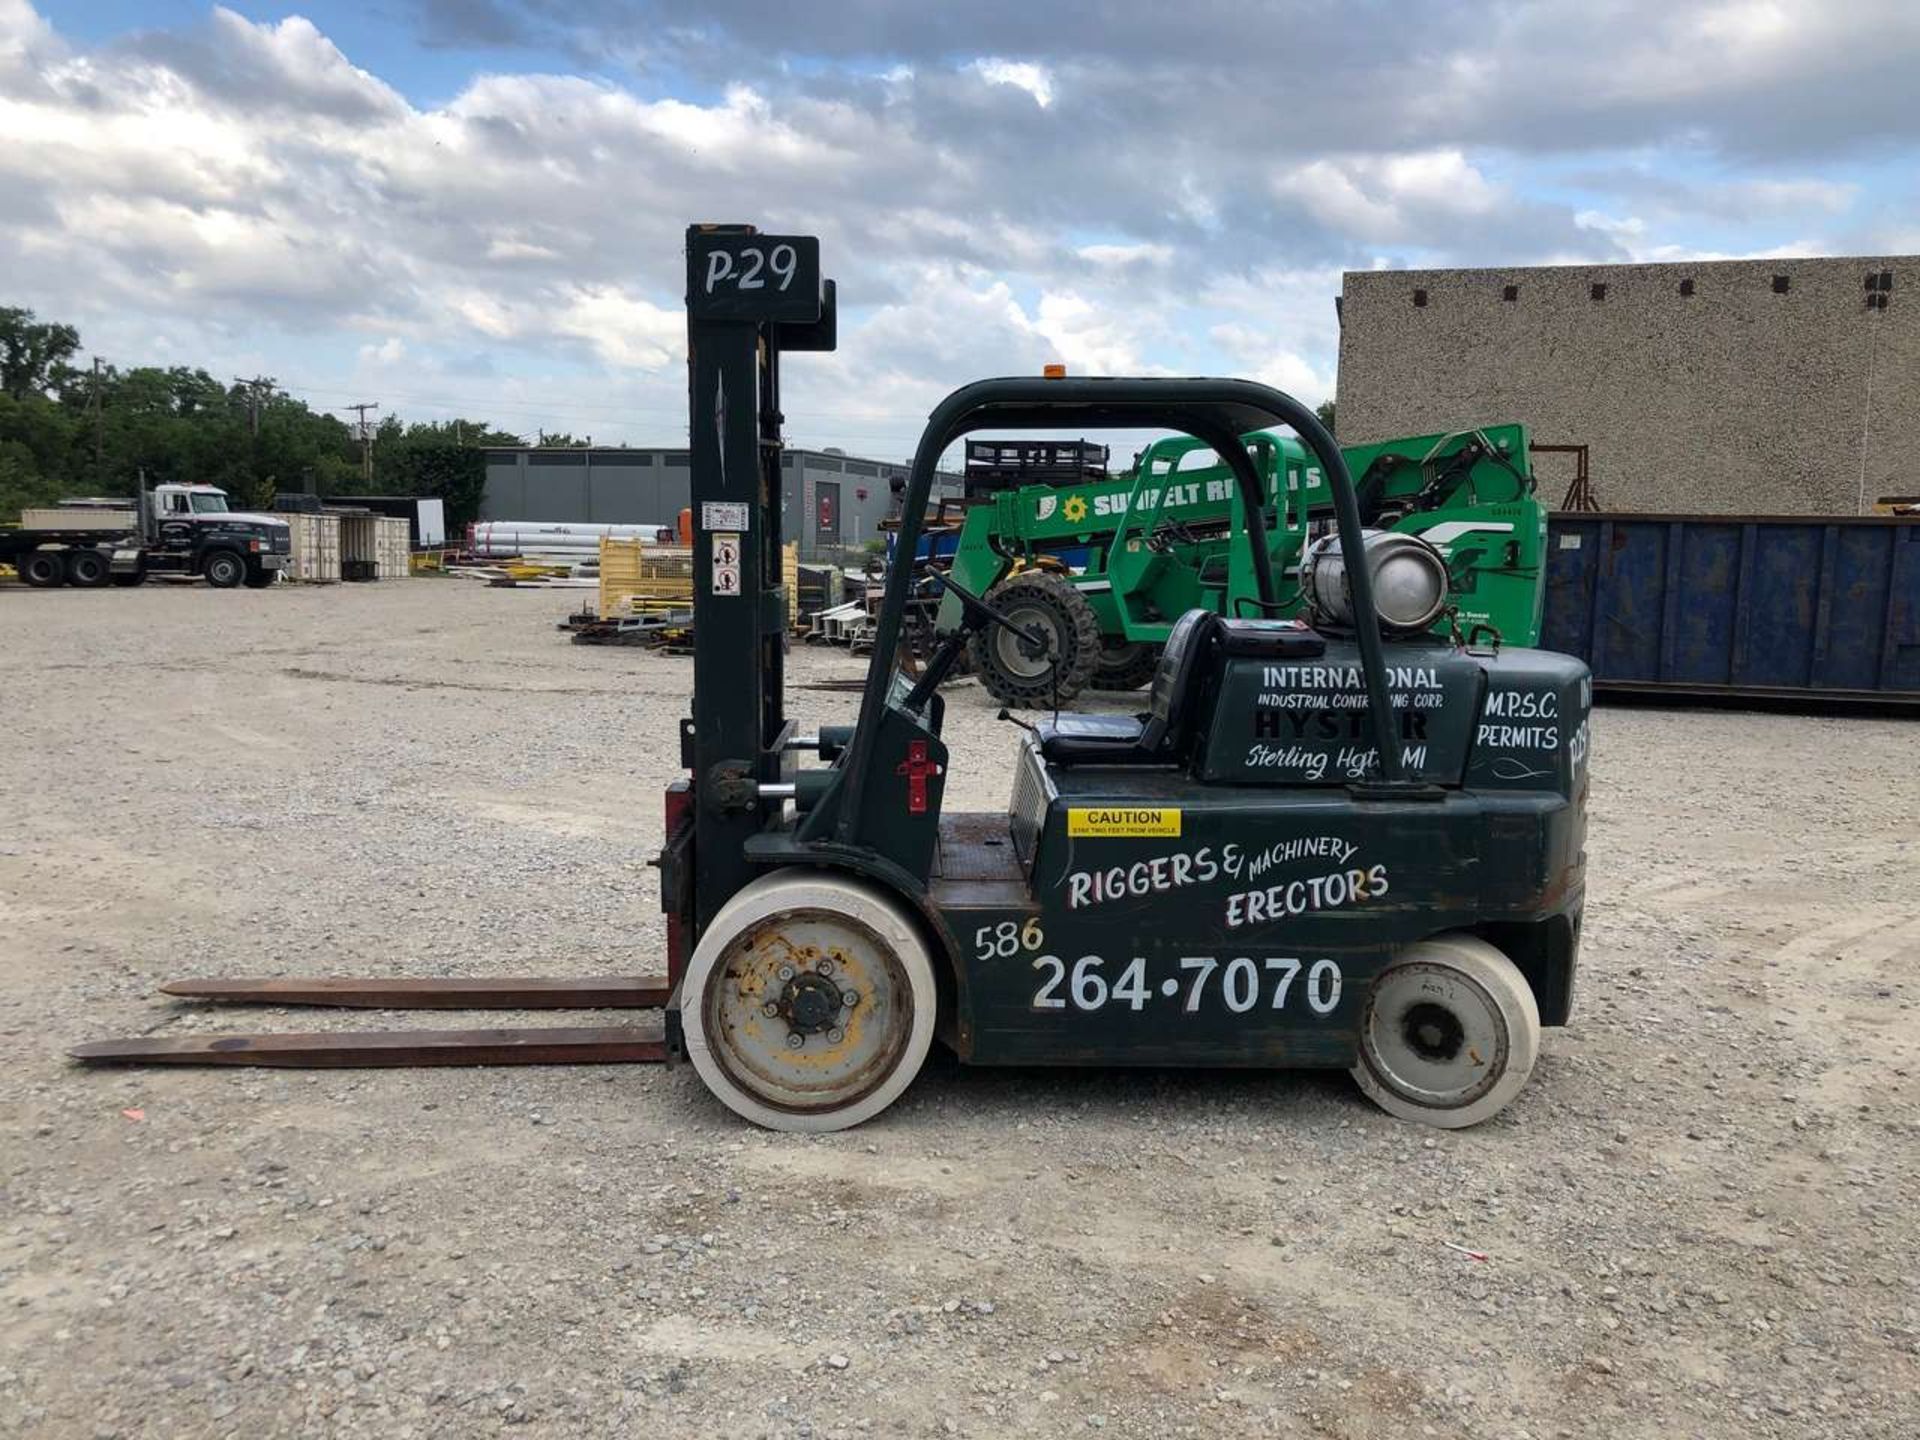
(809, 1002)
(1450, 1032)
(804, 1004)
(1019, 655)
(812, 1001)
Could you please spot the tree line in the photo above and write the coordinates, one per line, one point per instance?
(67, 430)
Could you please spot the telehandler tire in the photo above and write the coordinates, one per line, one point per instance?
(1450, 1033)
(809, 1003)
(1012, 673)
(1125, 664)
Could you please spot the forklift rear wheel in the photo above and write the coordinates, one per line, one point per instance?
(1125, 664)
(1012, 669)
(87, 568)
(225, 570)
(42, 569)
(809, 1003)
(1450, 1033)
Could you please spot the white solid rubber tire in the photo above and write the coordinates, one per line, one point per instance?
(1483, 966)
(786, 891)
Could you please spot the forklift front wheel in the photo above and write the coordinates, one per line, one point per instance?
(1450, 1033)
(809, 1003)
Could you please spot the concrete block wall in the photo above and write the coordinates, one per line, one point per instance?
(1724, 387)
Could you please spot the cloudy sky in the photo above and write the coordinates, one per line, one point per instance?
(476, 206)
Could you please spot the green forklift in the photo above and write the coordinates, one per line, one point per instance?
(1336, 840)
(1103, 565)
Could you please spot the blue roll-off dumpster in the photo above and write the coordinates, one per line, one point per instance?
(1773, 607)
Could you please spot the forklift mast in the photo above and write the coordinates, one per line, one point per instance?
(749, 298)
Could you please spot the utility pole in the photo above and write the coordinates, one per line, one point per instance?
(99, 421)
(256, 387)
(366, 439)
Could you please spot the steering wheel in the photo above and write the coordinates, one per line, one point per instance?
(981, 614)
(976, 614)
(1168, 531)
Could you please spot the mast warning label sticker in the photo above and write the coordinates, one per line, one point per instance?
(1122, 822)
(726, 565)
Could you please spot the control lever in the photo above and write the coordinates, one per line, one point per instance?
(1003, 715)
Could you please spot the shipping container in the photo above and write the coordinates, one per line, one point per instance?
(359, 546)
(391, 549)
(1812, 609)
(316, 548)
(426, 517)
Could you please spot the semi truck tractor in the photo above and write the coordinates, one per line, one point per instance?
(168, 530)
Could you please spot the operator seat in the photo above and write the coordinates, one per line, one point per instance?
(1158, 736)
(1199, 639)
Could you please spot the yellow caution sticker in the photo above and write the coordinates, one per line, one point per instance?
(1122, 822)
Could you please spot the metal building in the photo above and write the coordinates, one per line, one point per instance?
(1725, 387)
(832, 503)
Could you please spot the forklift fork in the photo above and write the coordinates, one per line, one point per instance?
(637, 1044)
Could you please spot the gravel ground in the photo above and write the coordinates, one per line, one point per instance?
(1699, 1217)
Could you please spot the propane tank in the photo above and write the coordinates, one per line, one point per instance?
(1409, 580)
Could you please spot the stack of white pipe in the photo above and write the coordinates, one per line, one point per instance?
(563, 539)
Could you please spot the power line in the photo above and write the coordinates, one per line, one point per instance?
(613, 417)
(595, 411)
(623, 416)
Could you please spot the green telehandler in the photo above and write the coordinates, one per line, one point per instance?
(1096, 570)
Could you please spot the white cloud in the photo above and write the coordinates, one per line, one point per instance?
(1281, 327)
(24, 36)
(1750, 26)
(1036, 80)
(1091, 339)
(1383, 198)
(503, 247)
(1142, 253)
(1780, 196)
(1260, 359)
(1630, 235)
(626, 330)
(298, 65)
(235, 189)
